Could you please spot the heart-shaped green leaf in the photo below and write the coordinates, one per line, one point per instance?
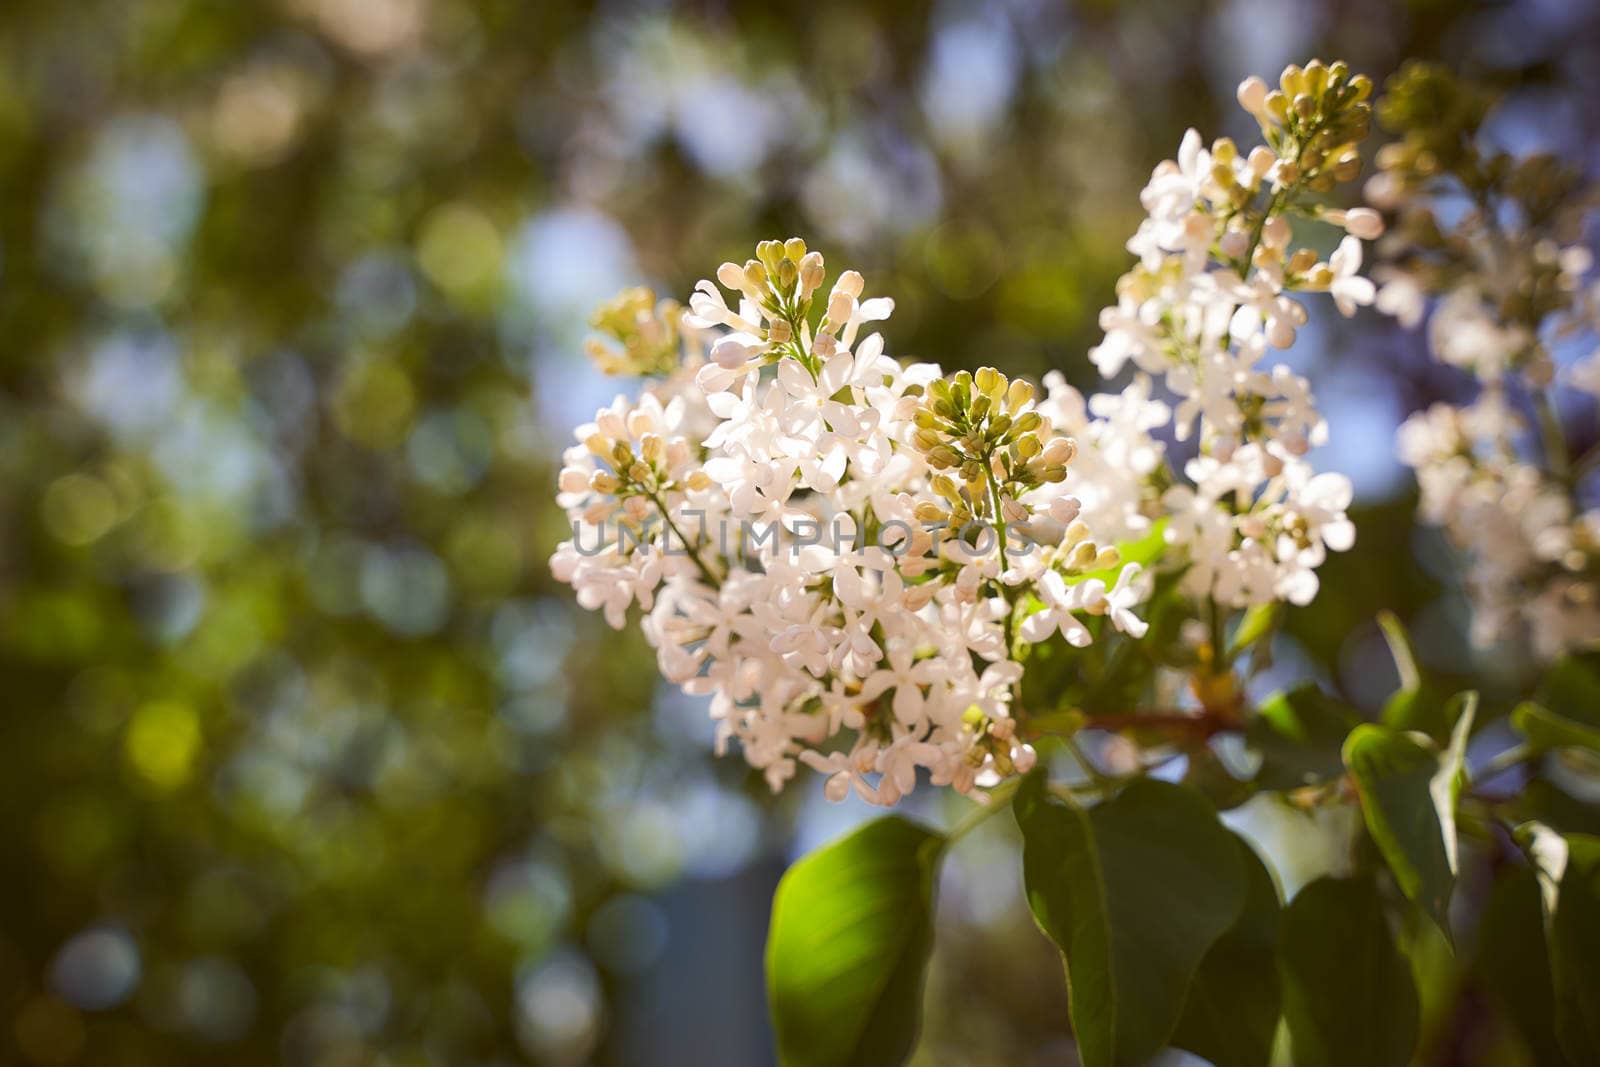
(1348, 994)
(1408, 794)
(1231, 1016)
(1571, 688)
(1546, 729)
(1575, 950)
(1134, 892)
(849, 940)
(1512, 964)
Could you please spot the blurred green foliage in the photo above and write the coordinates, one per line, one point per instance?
(304, 759)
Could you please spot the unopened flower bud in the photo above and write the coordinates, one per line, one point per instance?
(729, 353)
(788, 275)
(1253, 97)
(811, 274)
(1277, 232)
(1018, 396)
(779, 331)
(837, 787)
(840, 306)
(604, 482)
(1076, 532)
(1363, 222)
(1280, 333)
(1064, 509)
(731, 275)
(1083, 556)
(1060, 451)
(1024, 758)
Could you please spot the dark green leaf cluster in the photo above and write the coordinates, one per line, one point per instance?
(1174, 932)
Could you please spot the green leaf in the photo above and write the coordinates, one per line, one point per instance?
(1436, 973)
(1231, 1016)
(1546, 729)
(1571, 689)
(1208, 775)
(1298, 734)
(1575, 950)
(1416, 705)
(1408, 797)
(849, 940)
(1512, 964)
(1257, 623)
(1134, 892)
(1254, 635)
(1348, 994)
(1542, 801)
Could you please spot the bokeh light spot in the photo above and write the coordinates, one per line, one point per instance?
(162, 742)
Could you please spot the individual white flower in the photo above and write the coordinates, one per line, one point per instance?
(1060, 601)
(1348, 288)
(1118, 602)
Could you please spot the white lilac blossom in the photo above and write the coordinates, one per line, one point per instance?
(1507, 280)
(855, 557)
(1211, 296)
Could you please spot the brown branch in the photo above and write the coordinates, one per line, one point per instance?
(1203, 725)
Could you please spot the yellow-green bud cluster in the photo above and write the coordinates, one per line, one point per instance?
(982, 428)
(1314, 121)
(645, 471)
(1081, 555)
(1438, 117)
(647, 334)
(781, 280)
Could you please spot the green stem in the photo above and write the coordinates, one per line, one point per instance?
(710, 577)
(1517, 754)
(999, 516)
(1552, 436)
(1101, 779)
(1000, 528)
(1586, 463)
(999, 799)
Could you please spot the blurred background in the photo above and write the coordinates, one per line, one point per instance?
(304, 757)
